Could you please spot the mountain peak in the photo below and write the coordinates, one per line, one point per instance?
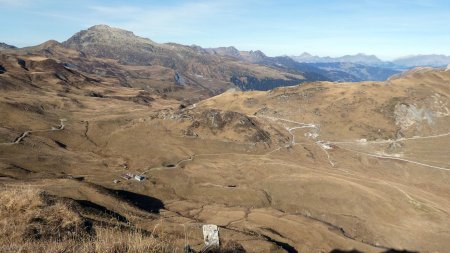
(305, 54)
(228, 49)
(106, 30)
(106, 35)
(50, 43)
(110, 42)
(225, 51)
(361, 57)
(257, 53)
(109, 29)
(100, 27)
(232, 49)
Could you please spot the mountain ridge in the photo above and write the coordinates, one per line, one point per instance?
(311, 71)
(429, 60)
(171, 68)
(6, 46)
(410, 61)
(360, 58)
(189, 66)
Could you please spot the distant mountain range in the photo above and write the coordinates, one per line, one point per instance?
(344, 69)
(140, 62)
(358, 58)
(432, 60)
(423, 61)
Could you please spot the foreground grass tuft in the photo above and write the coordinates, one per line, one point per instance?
(33, 221)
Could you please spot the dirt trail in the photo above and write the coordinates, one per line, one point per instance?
(391, 141)
(394, 158)
(325, 145)
(27, 133)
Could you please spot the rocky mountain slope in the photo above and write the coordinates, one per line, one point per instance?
(181, 72)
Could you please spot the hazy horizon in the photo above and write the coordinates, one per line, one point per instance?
(383, 28)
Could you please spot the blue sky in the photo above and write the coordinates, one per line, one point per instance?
(387, 28)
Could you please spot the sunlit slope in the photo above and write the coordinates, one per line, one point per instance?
(307, 168)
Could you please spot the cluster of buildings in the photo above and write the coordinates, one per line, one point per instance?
(129, 176)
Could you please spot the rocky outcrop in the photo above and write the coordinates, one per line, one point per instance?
(6, 46)
(221, 122)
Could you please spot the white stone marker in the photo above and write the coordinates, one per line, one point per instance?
(211, 235)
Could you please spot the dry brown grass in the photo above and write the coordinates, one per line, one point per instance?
(32, 221)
